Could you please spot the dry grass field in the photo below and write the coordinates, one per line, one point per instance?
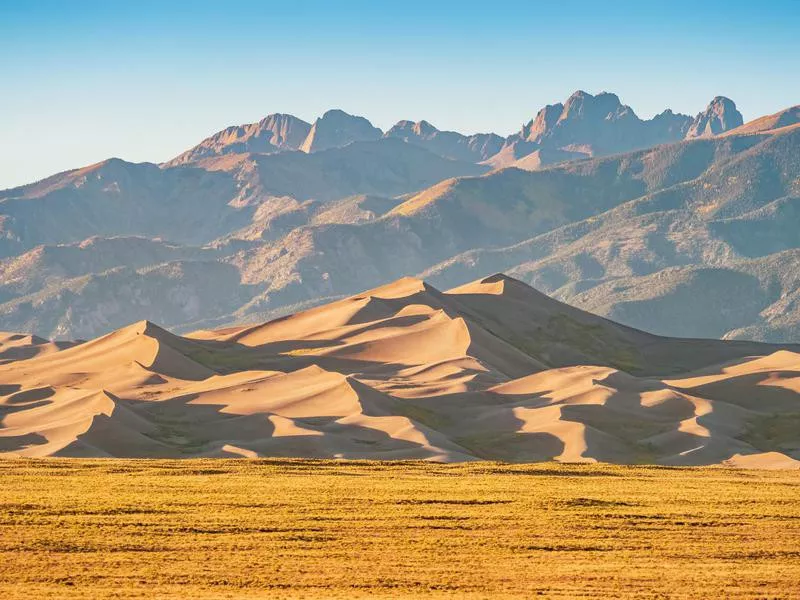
(327, 529)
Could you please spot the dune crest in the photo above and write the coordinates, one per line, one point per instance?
(489, 370)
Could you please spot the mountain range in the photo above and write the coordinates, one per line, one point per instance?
(489, 370)
(678, 225)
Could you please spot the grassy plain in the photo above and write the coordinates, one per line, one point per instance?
(326, 529)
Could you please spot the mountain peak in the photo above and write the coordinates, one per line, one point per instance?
(579, 95)
(405, 128)
(720, 115)
(605, 106)
(336, 113)
(722, 100)
(602, 101)
(338, 128)
(545, 120)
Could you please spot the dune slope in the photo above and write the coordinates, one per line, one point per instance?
(490, 370)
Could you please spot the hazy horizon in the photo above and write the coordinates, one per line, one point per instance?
(144, 82)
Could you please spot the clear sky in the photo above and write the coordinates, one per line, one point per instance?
(142, 80)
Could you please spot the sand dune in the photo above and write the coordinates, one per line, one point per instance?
(490, 370)
(18, 346)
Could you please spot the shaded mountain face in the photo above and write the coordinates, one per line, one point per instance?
(567, 230)
(337, 128)
(473, 148)
(707, 247)
(489, 370)
(274, 133)
(643, 236)
(198, 204)
(118, 198)
(688, 299)
(720, 116)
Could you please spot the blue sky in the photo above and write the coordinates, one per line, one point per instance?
(143, 80)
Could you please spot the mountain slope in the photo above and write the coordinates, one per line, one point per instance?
(785, 118)
(118, 198)
(693, 299)
(240, 237)
(490, 370)
(678, 186)
(215, 210)
(294, 233)
(708, 236)
(195, 205)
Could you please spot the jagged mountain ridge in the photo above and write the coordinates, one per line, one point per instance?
(476, 148)
(586, 126)
(274, 133)
(583, 126)
(592, 126)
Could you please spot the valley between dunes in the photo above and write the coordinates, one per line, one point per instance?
(492, 370)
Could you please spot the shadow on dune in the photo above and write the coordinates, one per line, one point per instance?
(31, 395)
(212, 397)
(759, 392)
(23, 353)
(16, 443)
(10, 355)
(625, 428)
(182, 428)
(379, 308)
(485, 425)
(287, 356)
(17, 401)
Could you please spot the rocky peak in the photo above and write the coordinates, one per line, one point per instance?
(720, 116)
(587, 125)
(545, 120)
(673, 126)
(450, 144)
(582, 105)
(405, 129)
(287, 130)
(274, 133)
(401, 126)
(338, 128)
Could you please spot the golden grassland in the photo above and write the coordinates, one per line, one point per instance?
(331, 529)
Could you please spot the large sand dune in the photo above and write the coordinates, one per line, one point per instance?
(490, 370)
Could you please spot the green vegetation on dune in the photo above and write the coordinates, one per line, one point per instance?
(330, 529)
(773, 433)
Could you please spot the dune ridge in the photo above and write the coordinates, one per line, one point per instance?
(489, 370)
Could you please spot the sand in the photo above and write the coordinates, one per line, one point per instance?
(491, 370)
